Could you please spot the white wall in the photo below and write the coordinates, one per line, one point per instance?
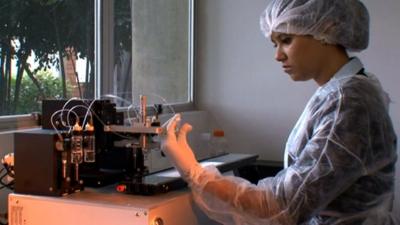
(239, 82)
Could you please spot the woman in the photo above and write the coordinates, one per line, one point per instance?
(340, 156)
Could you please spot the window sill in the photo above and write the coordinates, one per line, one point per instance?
(17, 122)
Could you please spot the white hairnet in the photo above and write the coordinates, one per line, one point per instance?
(342, 22)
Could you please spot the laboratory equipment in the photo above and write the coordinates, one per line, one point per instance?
(62, 158)
(88, 143)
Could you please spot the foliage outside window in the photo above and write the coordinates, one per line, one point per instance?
(40, 43)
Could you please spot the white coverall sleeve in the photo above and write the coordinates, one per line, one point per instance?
(330, 162)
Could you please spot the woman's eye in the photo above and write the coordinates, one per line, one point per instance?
(286, 40)
(283, 39)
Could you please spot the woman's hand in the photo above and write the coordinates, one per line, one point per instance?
(175, 146)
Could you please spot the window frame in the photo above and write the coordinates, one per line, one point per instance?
(104, 58)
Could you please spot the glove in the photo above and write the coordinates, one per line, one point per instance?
(175, 146)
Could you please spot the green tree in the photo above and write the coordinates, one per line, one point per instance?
(47, 28)
(31, 97)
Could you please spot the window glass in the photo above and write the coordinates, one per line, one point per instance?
(46, 52)
(152, 50)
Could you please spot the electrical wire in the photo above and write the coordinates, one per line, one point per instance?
(90, 112)
(117, 98)
(79, 106)
(54, 126)
(165, 102)
(94, 114)
(63, 108)
(9, 185)
(89, 109)
(130, 105)
(67, 124)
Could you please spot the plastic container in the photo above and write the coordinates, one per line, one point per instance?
(218, 143)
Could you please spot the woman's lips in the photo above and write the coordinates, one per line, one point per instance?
(287, 69)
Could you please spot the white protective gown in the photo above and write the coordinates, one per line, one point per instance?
(339, 169)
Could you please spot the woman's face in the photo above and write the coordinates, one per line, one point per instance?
(301, 56)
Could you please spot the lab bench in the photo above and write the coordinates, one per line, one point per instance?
(105, 206)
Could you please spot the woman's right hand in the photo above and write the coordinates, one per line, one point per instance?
(174, 145)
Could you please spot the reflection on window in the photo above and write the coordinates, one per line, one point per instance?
(153, 58)
(34, 36)
(122, 77)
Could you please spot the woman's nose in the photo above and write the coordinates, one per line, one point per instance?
(279, 55)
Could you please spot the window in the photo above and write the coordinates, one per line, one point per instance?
(155, 57)
(47, 50)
